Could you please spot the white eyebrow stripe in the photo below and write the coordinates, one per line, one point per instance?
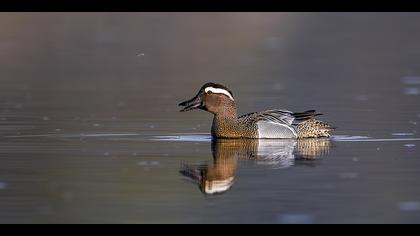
(219, 90)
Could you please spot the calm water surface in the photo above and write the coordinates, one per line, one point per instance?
(90, 130)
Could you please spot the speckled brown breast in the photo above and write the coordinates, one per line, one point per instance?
(238, 128)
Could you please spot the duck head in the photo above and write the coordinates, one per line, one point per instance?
(212, 97)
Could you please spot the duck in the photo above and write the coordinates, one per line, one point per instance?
(268, 124)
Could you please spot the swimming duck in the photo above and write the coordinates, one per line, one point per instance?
(269, 124)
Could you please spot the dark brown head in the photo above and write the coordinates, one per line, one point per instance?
(214, 98)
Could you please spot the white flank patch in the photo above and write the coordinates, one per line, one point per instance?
(219, 90)
(268, 129)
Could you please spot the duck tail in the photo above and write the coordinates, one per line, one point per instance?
(313, 128)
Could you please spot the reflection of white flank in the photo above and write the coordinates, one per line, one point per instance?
(276, 153)
(218, 186)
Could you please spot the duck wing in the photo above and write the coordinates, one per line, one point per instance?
(281, 116)
(272, 123)
(277, 123)
(304, 116)
(275, 116)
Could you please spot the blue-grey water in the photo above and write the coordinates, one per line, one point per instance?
(90, 131)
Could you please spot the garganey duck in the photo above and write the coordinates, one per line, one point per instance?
(273, 124)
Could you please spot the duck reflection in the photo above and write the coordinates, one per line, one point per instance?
(218, 177)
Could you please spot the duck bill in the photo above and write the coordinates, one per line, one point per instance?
(191, 104)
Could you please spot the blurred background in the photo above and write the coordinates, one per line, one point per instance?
(140, 65)
(67, 75)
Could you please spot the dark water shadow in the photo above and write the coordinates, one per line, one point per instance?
(218, 176)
